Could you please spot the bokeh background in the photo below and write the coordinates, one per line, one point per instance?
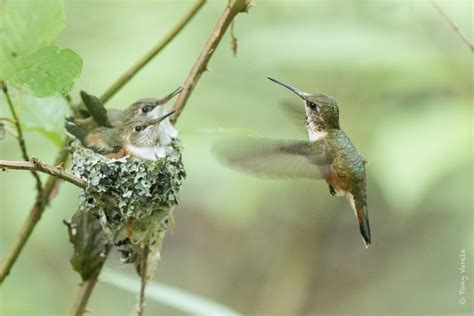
(403, 80)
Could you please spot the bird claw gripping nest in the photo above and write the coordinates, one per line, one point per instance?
(131, 198)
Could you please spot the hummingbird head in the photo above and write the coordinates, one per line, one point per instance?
(144, 133)
(148, 108)
(322, 112)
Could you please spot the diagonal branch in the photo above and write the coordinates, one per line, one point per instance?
(36, 165)
(122, 80)
(233, 8)
(144, 279)
(453, 26)
(21, 139)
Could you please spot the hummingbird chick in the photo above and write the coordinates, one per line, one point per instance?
(140, 139)
(143, 109)
(328, 154)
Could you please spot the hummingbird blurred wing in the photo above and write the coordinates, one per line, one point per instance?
(295, 112)
(277, 158)
(96, 109)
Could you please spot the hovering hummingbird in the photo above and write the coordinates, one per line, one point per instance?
(329, 155)
(139, 139)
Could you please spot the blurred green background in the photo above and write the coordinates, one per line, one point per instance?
(403, 80)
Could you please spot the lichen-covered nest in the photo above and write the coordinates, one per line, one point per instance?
(128, 191)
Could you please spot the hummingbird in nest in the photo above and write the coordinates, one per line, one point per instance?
(328, 154)
(140, 139)
(143, 109)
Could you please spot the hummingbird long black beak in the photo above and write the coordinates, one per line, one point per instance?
(169, 96)
(300, 93)
(160, 119)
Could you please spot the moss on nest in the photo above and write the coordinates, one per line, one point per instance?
(128, 188)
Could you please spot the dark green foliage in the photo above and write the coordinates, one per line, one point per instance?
(96, 109)
(91, 244)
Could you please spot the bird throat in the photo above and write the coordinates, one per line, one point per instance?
(316, 128)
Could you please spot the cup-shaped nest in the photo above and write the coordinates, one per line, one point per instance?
(130, 196)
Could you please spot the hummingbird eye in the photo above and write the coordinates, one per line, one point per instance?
(139, 128)
(312, 105)
(147, 108)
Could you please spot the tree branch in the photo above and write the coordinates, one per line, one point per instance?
(37, 165)
(233, 8)
(21, 139)
(144, 279)
(453, 26)
(153, 52)
(85, 291)
(39, 206)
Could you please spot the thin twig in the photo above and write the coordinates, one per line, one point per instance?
(86, 288)
(39, 206)
(153, 52)
(37, 165)
(85, 291)
(233, 8)
(453, 26)
(21, 139)
(234, 43)
(143, 281)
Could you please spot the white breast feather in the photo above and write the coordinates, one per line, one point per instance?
(149, 153)
(167, 130)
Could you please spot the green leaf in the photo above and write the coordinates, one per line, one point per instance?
(28, 28)
(48, 71)
(168, 295)
(91, 244)
(44, 115)
(25, 27)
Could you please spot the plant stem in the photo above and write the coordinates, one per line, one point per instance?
(453, 25)
(153, 52)
(37, 165)
(21, 139)
(233, 8)
(143, 281)
(85, 291)
(86, 288)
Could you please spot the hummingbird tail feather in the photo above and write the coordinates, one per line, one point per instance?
(73, 130)
(96, 109)
(363, 217)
